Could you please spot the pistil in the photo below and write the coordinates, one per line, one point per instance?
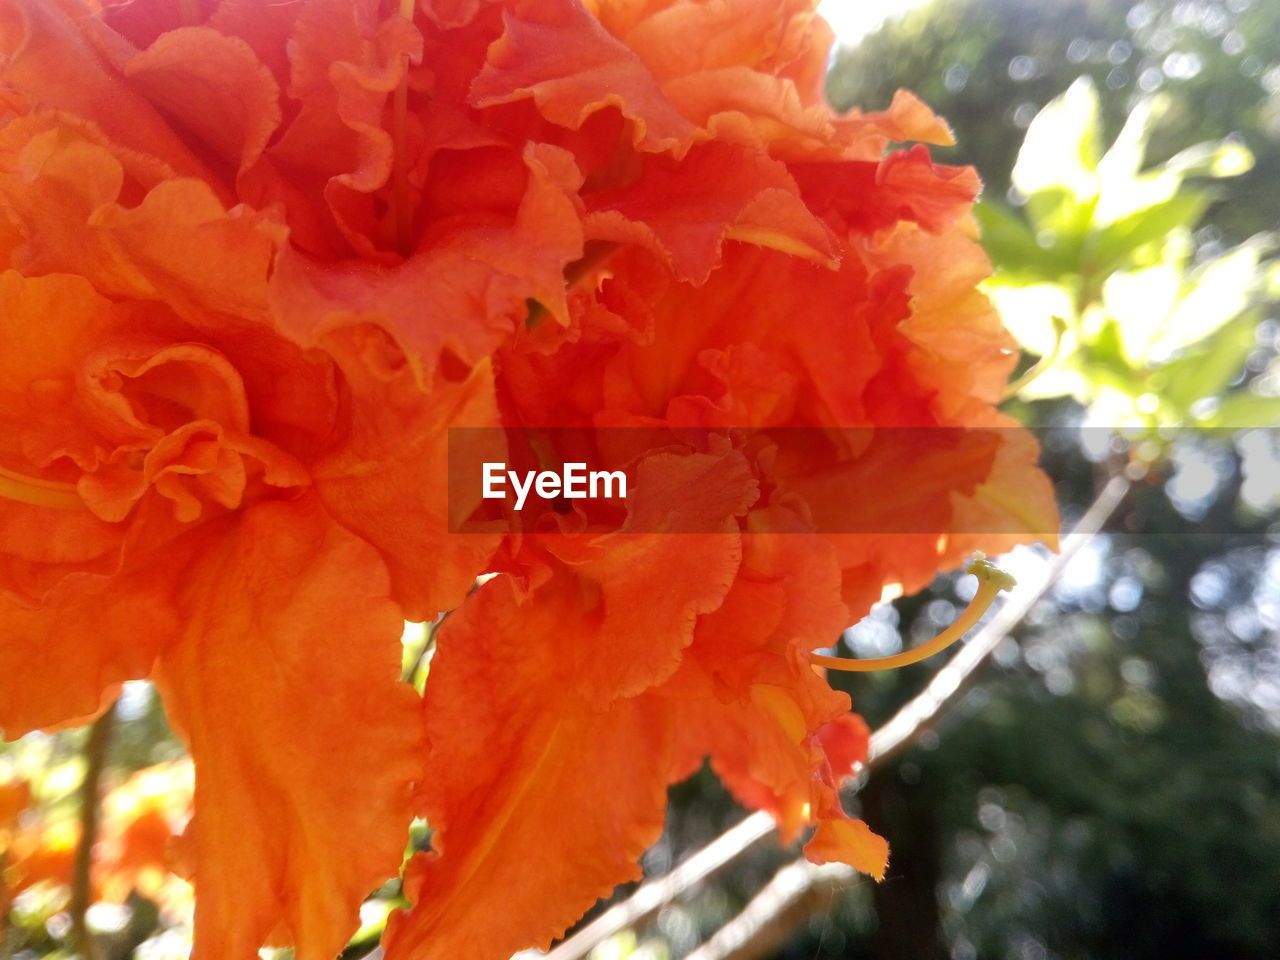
(991, 580)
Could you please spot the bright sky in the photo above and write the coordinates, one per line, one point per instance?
(854, 19)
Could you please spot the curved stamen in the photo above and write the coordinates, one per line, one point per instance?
(1043, 364)
(991, 580)
(39, 493)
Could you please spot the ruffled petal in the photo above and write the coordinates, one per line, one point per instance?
(216, 87)
(558, 54)
(684, 211)
(389, 480)
(634, 625)
(525, 751)
(84, 206)
(62, 661)
(778, 736)
(58, 56)
(904, 186)
(335, 152)
(462, 294)
(285, 686)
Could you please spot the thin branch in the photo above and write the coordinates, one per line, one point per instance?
(5, 903)
(767, 922)
(658, 893)
(82, 872)
(911, 720)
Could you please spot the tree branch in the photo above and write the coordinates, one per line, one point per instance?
(766, 923)
(82, 872)
(762, 913)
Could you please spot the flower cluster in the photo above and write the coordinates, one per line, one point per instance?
(262, 258)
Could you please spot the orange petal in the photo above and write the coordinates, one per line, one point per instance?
(86, 207)
(63, 661)
(335, 152)
(560, 56)
(908, 119)
(217, 87)
(955, 344)
(745, 694)
(849, 841)
(285, 687)
(1014, 504)
(463, 293)
(388, 481)
(641, 593)
(59, 56)
(684, 211)
(515, 796)
(905, 185)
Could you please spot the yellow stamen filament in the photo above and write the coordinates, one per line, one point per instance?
(991, 580)
(37, 492)
(1043, 364)
(400, 136)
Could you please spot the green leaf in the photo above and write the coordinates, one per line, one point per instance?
(1140, 301)
(1105, 363)
(1226, 158)
(1011, 245)
(1118, 242)
(1123, 160)
(1060, 151)
(1207, 371)
(1218, 291)
(1245, 409)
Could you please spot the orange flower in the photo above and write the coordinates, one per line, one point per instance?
(755, 262)
(262, 258)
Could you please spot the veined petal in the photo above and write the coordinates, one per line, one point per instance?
(285, 685)
(535, 754)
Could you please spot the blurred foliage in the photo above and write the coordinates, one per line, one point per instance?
(145, 803)
(1095, 275)
(990, 65)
